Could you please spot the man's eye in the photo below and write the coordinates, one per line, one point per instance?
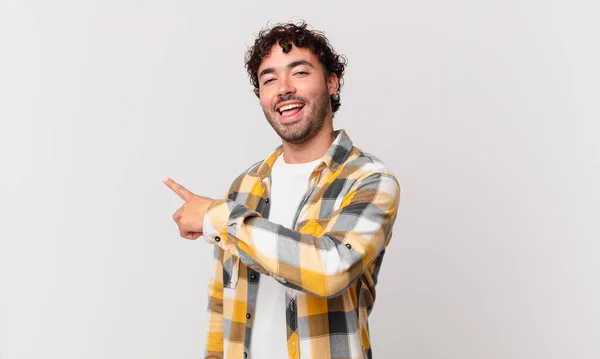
(301, 73)
(268, 81)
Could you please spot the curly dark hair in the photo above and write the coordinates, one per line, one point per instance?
(300, 36)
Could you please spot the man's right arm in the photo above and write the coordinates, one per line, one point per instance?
(214, 340)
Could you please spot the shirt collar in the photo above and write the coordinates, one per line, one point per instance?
(335, 156)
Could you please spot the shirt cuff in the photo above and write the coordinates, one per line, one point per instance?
(215, 222)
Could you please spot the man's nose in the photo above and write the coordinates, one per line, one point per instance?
(286, 87)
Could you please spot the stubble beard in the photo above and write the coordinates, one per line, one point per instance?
(306, 127)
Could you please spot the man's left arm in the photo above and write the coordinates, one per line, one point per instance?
(325, 264)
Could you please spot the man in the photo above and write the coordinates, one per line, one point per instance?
(300, 238)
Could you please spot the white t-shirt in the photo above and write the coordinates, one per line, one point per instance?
(289, 183)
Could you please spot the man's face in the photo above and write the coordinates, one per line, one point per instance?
(294, 94)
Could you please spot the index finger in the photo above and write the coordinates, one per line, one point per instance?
(181, 191)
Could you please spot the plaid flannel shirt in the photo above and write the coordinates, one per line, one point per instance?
(329, 261)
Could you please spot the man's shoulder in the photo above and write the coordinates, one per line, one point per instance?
(250, 171)
(368, 171)
(367, 163)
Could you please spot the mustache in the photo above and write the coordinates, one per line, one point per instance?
(289, 98)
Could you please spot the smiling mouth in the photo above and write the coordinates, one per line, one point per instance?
(290, 117)
(290, 110)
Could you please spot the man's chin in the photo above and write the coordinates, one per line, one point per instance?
(292, 132)
(298, 136)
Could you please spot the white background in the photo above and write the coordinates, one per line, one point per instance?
(487, 111)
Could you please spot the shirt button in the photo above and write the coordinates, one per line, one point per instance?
(248, 315)
(245, 355)
(267, 200)
(217, 239)
(349, 245)
(252, 276)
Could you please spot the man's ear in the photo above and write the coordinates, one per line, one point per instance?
(333, 83)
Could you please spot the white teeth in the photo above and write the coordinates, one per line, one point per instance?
(289, 107)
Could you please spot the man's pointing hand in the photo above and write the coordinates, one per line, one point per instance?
(190, 217)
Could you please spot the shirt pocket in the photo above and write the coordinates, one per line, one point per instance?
(231, 266)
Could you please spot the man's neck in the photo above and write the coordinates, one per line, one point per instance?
(310, 150)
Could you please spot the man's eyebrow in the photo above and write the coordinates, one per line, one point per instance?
(298, 63)
(291, 65)
(268, 70)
